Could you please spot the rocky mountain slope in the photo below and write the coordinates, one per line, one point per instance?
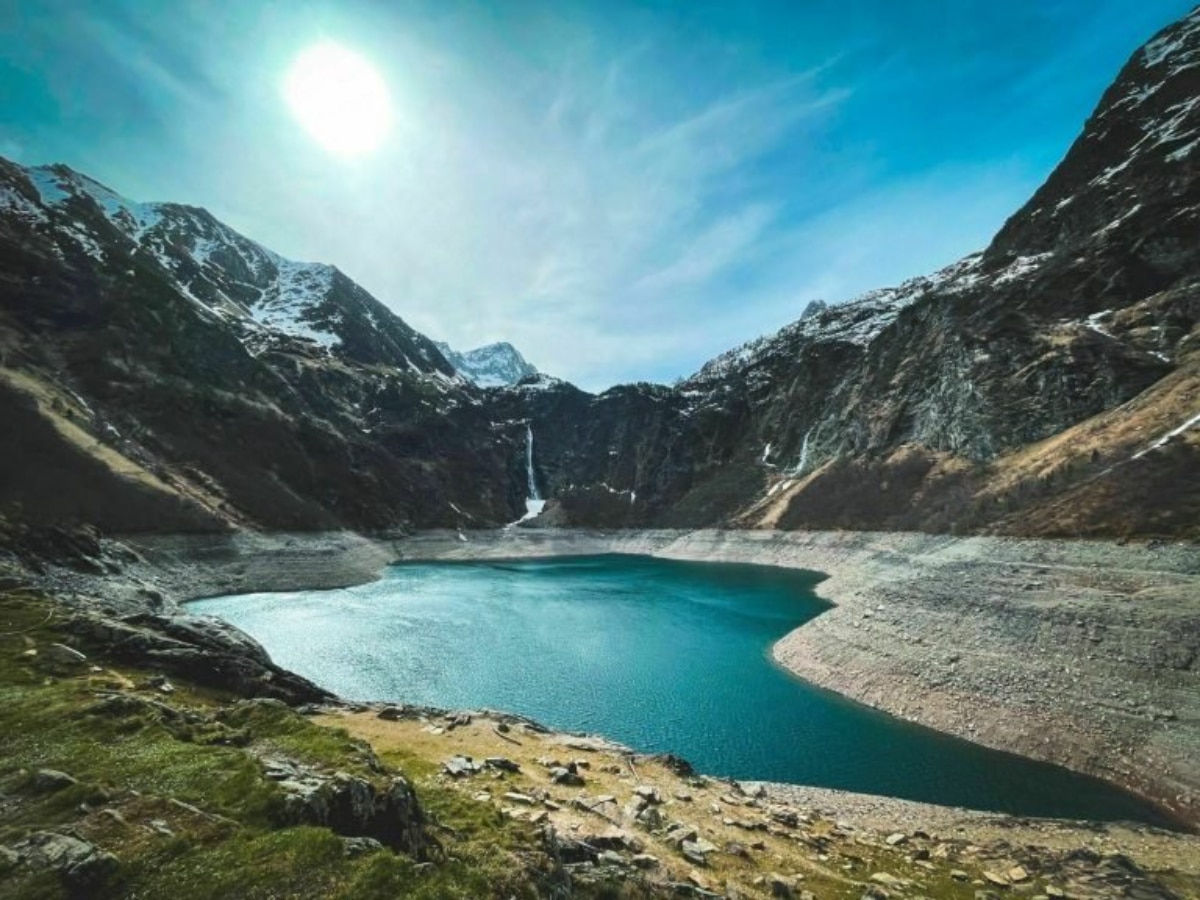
(1048, 385)
(492, 365)
(162, 372)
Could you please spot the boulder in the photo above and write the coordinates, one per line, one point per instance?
(62, 655)
(692, 852)
(564, 776)
(48, 781)
(461, 767)
(502, 764)
(650, 818)
(82, 867)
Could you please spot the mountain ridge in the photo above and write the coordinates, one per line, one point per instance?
(1044, 385)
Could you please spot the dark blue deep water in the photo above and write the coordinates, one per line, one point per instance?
(657, 654)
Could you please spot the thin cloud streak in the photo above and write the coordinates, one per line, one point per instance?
(619, 209)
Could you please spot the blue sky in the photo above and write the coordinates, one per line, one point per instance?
(622, 190)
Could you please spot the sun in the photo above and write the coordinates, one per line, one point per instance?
(340, 98)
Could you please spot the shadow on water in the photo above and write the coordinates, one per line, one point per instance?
(661, 655)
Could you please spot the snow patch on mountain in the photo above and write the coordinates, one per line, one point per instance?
(298, 287)
(857, 321)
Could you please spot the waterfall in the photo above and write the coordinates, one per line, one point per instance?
(533, 490)
(803, 454)
(534, 504)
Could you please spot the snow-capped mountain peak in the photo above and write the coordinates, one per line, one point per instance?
(493, 365)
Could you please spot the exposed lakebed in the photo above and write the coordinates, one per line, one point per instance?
(658, 654)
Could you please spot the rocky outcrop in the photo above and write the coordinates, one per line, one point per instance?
(202, 650)
(351, 806)
(82, 867)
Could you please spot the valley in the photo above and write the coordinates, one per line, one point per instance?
(989, 474)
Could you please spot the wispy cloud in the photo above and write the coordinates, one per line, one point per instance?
(620, 191)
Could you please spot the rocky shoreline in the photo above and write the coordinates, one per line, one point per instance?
(1077, 653)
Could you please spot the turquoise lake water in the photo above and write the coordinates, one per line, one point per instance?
(657, 654)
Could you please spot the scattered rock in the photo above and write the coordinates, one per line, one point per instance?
(564, 776)
(502, 763)
(48, 781)
(786, 817)
(158, 826)
(354, 847)
(648, 793)
(391, 713)
(645, 861)
(461, 767)
(1017, 874)
(61, 654)
(780, 886)
(523, 799)
(895, 840)
(677, 834)
(650, 818)
(615, 839)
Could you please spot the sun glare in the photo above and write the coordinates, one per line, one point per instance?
(340, 98)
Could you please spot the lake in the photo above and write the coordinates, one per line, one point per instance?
(657, 654)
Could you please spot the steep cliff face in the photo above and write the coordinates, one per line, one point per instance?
(926, 406)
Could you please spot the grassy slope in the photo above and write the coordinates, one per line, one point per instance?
(137, 763)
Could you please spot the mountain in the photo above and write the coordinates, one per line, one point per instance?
(1047, 385)
(493, 365)
(161, 371)
(230, 278)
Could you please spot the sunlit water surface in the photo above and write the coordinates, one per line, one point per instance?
(660, 655)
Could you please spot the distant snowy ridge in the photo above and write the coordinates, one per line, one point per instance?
(493, 365)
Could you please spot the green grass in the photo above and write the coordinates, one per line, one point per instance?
(134, 751)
